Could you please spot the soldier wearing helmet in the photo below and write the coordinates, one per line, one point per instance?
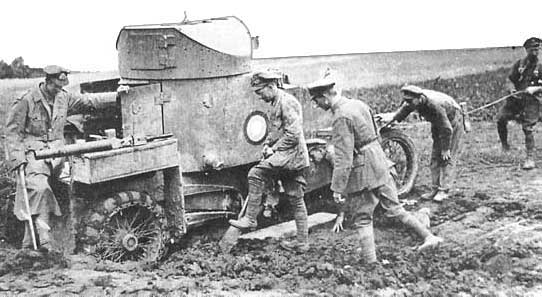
(447, 131)
(285, 156)
(36, 121)
(526, 75)
(361, 177)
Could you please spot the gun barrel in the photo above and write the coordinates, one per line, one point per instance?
(78, 148)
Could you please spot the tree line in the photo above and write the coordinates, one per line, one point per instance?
(17, 69)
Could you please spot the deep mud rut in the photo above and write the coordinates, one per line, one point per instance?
(492, 226)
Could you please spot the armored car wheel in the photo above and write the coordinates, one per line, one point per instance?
(401, 151)
(128, 226)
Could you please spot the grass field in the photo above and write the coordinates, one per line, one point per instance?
(375, 69)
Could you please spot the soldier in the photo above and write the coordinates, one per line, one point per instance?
(285, 156)
(447, 131)
(361, 173)
(526, 73)
(36, 121)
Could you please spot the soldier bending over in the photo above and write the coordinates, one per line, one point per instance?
(361, 173)
(447, 130)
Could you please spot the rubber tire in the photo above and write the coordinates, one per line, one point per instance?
(411, 154)
(94, 220)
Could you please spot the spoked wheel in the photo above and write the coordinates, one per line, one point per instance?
(132, 229)
(400, 149)
(131, 234)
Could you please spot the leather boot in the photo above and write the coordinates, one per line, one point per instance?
(42, 224)
(367, 244)
(300, 216)
(255, 190)
(244, 223)
(529, 146)
(429, 240)
(27, 239)
(502, 130)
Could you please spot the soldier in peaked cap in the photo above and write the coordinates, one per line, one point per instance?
(36, 121)
(526, 76)
(361, 177)
(285, 156)
(447, 130)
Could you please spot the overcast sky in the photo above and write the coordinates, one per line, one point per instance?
(81, 35)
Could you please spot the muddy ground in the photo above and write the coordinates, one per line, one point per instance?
(492, 227)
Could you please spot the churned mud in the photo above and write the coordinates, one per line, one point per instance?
(492, 227)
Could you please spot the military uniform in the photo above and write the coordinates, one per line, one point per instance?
(290, 157)
(447, 131)
(35, 122)
(361, 172)
(522, 107)
(361, 169)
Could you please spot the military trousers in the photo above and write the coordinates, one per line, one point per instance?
(443, 172)
(42, 200)
(361, 205)
(263, 175)
(525, 110)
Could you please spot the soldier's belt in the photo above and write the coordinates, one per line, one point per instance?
(360, 146)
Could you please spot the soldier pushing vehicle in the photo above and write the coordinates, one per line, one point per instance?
(447, 129)
(361, 176)
(285, 157)
(526, 75)
(36, 121)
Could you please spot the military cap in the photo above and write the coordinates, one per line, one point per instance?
(411, 90)
(327, 82)
(55, 70)
(532, 42)
(60, 74)
(320, 86)
(262, 78)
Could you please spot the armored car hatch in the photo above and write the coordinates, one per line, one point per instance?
(208, 48)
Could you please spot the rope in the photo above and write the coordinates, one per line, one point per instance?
(494, 102)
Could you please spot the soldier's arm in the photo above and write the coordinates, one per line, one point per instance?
(87, 103)
(443, 125)
(15, 133)
(272, 137)
(343, 141)
(293, 126)
(513, 78)
(403, 112)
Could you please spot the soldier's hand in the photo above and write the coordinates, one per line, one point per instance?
(123, 89)
(533, 89)
(389, 123)
(446, 155)
(267, 151)
(338, 198)
(18, 164)
(30, 156)
(338, 226)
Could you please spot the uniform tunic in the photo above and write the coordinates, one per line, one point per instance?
(361, 169)
(287, 140)
(36, 122)
(523, 107)
(287, 162)
(447, 131)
